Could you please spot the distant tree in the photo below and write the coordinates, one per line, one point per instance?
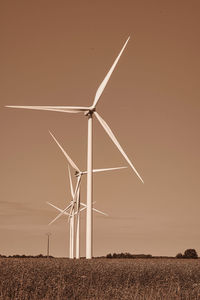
(109, 255)
(127, 255)
(179, 255)
(190, 253)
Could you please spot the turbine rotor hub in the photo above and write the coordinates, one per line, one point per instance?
(77, 174)
(90, 112)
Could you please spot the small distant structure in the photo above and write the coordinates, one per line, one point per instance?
(48, 243)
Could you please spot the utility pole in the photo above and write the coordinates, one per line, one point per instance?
(48, 243)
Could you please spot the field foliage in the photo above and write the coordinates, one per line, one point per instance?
(42, 278)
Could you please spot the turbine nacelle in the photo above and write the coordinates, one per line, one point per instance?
(77, 174)
(90, 111)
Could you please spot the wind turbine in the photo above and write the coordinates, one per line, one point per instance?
(71, 255)
(76, 196)
(89, 112)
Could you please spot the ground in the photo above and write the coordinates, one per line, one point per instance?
(59, 278)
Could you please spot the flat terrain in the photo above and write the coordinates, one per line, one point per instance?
(42, 278)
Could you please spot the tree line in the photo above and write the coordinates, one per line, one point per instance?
(188, 253)
(25, 256)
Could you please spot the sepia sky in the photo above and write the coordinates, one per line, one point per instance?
(57, 53)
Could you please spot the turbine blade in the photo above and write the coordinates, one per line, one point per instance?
(100, 212)
(75, 194)
(84, 207)
(115, 141)
(105, 81)
(70, 181)
(85, 204)
(65, 154)
(60, 214)
(57, 208)
(108, 169)
(104, 170)
(78, 198)
(68, 109)
(76, 212)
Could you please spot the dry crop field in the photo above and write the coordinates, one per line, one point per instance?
(42, 278)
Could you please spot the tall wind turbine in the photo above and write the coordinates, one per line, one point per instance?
(89, 112)
(76, 195)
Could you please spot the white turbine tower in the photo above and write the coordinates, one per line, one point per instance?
(76, 198)
(89, 112)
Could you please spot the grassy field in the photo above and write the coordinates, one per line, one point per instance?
(36, 279)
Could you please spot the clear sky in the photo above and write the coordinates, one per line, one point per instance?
(57, 53)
